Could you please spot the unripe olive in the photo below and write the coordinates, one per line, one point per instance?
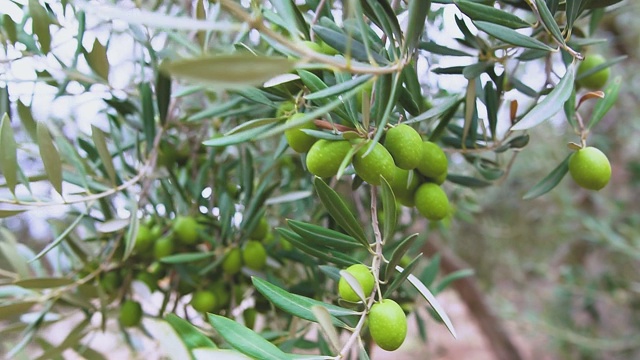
(431, 201)
(185, 229)
(296, 138)
(325, 156)
(377, 163)
(203, 301)
(254, 255)
(590, 168)
(434, 161)
(405, 146)
(365, 279)
(232, 262)
(597, 80)
(387, 324)
(130, 313)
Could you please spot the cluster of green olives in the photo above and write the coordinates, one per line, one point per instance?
(414, 168)
(386, 319)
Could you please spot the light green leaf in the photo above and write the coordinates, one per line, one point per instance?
(229, 71)
(167, 338)
(100, 143)
(246, 340)
(132, 232)
(8, 156)
(207, 353)
(339, 88)
(97, 59)
(50, 157)
(550, 105)
(43, 283)
(398, 253)
(190, 335)
(462, 273)
(417, 17)
(322, 236)
(60, 237)
(390, 210)
(511, 36)
(324, 319)
(186, 257)
(16, 309)
(432, 301)
(550, 181)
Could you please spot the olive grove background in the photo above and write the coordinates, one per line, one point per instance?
(556, 276)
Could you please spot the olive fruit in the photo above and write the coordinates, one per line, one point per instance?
(387, 324)
(144, 239)
(365, 279)
(431, 201)
(590, 168)
(404, 189)
(163, 247)
(254, 255)
(597, 80)
(313, 46)
(232, 262)
(111, 281)
(261, 230)
(296, 138)
(130, 313)
(378, 162)
(405, 146)
(325, 156)
(203, 301)
(185, 229)
(285, 109)
(434, 161)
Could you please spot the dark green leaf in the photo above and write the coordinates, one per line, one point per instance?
(292, 19)
(100, 142)
(432, 301)
(511, 36)
(148, 115)
(452, 277)
(603, 106)
(467, 181)
(339, 211)
(24, 112)
(339, 88)
(238, 137)
(550, 181)
(15, 310)
(326, 254)
(40, 22)
(10, 28)
(399, 280)
(418, 11)
(573, 10)
(492, 102)
(322, 236)
(475, 70)
(50, 157)
(434, 48)
(550, 105)
(549, 21)
(490, 14)
(397, 255)
(8, 156)
(186, 257)
(346, 45)
(163, 95)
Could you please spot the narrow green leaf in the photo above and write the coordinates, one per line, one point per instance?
(326, 325)
(474, 70)
(292, 19)
(8, 156)
(440, 109)
(334, 256)
(163, 95)
(50, 157)
(570, 109)
(481, 12)
(511, 36)
(168, 339)
(298, 305)
(208, 353)
(339, 211)
(430, 271)
(434, 48)
(15, 259)
(390, 210)
(603, 106)
(339, 88)
(422, 289)
(24, 112)
(417, 17)
(10, 28)
(239, 137)
(456, 275)
(467, 181)
(550, 105)
(186, 257)
(550, 181)
(100, 142)
(43, 283)
(245, 340)
(40, 25)
(16, 309)
(573, 10)
(399, 280)
(549, 21)
(492, 102)
(229, 71)
(346, 45)
(322, 236)
(132, 232)
(148, 115)
(190, 335)
(397, 255)
(97, 59)
(60, 238)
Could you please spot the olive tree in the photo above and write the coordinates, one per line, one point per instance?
(252, 177)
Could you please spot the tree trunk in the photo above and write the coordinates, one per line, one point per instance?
(473, 297)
